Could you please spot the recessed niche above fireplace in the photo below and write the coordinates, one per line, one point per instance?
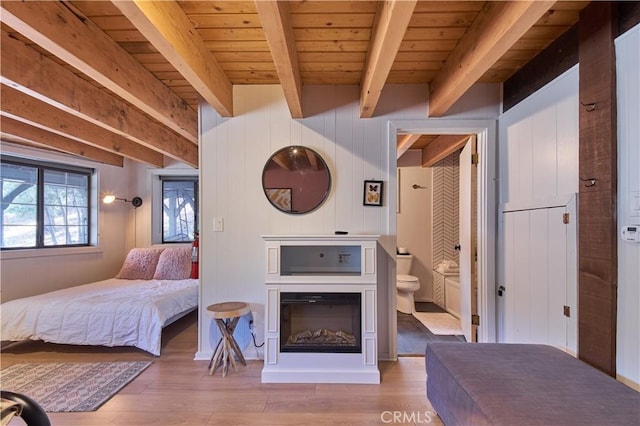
(320, 260)
(321, 324)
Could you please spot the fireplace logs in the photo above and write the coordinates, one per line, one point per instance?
(321, 337)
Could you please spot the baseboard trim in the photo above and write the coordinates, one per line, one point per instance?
(633, 385)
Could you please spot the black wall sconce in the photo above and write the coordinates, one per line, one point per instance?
(135, 201)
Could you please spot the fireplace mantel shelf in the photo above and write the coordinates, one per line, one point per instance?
(321, 237)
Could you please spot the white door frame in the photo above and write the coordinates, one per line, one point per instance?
(486, 131)
(466, 241)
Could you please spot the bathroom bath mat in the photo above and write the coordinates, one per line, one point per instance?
(440, 323)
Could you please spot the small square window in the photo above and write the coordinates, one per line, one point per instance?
(179, 209)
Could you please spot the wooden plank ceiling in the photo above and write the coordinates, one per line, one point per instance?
(108, 80)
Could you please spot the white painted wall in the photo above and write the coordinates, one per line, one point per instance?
(414, 224)
(29, 272)
(628, 95)
(234, 151)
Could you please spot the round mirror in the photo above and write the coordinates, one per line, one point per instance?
(296, 180)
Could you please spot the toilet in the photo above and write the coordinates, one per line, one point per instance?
(406, 284)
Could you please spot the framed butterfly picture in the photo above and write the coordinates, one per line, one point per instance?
(372, 193)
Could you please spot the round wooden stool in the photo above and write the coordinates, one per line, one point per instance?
(226, 315)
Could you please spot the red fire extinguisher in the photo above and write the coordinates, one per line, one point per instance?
(195, 253)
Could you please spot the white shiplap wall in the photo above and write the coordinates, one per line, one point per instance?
(628, 96)
(538, 149)
(538, 163)
(234, 150)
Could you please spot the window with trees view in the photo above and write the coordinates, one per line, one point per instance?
(179, 208)
(44, 205)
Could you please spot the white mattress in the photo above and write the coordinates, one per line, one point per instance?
(113, 312)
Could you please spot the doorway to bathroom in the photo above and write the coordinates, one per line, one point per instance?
(486, 221)
(427, 215)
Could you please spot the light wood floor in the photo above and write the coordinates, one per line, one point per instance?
(176, 390)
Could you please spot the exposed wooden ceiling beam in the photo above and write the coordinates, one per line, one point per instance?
(78, 41)
(169, 30)
(313, 159)
(392, 20)
(441, 147)
(276, 23)
(26, 70)
(498, 26)
(19, 132)
(283, 160)
(405, 142)
(19, 106)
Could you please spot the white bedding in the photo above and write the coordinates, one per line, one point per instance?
(113, 312)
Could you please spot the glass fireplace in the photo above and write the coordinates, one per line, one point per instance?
(320, 322)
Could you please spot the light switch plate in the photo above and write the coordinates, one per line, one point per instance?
(218, 224)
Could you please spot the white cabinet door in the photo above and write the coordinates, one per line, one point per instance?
(540, 273)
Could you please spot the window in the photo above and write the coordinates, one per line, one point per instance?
(44, 204)
(179, 208)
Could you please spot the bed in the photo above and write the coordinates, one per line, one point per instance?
(151, 290)
(518, 384)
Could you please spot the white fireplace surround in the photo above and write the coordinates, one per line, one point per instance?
(321, 367)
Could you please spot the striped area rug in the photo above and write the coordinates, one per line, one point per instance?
(70, 386)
